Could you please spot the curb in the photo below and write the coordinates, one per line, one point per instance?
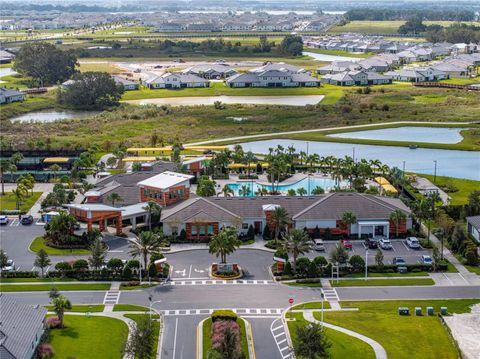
(250, 343)
(199, 345)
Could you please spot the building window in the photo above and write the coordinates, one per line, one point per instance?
(202, 230)
(194, 230)
(244, 225)
(210, 229)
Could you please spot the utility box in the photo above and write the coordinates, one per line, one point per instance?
(430, 311)
(402, 269)
(403, 311)
(443, 310)
(418, 311)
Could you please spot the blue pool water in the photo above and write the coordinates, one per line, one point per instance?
(309, 185)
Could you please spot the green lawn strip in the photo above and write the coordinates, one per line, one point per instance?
(473, 269)
(155, 323)
(465, 187)
(339, 53)
(207, 337)
(402, 337)
(39, 243)
(296, 284)
(82, 308)
(47, 287)
(382, 282)
(343, 345)
(129, 308)
(380, 275)
(86, 337)
(38, 279)
(124, 286)
(312, 305)
(8, 202)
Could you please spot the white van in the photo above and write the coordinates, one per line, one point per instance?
(318, 244)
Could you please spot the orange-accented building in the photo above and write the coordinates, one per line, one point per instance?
(165, 188)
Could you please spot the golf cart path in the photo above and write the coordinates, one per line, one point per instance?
(380, 352)
(372, 125)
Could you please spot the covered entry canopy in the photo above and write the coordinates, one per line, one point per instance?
(100, 213)
(374, 227)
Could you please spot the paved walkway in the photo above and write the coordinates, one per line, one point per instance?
(424, 186)
(380, 352)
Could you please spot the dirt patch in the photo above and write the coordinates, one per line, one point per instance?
(465, 329)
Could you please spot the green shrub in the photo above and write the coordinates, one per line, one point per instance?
(127, 273)
(224, 314)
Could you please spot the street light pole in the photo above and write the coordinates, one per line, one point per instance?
(366, 264)
(151, 304)
(435, 172)
(322, 296)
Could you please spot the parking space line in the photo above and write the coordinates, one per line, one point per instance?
(190, 272)
(405, 245)
(465, 280)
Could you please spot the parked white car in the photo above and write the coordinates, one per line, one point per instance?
(318, 244)
(427, 260)
(10, 267)
(385, 244)
(3, 220)
(412, 242)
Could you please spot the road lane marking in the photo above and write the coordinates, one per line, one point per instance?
(175, 338)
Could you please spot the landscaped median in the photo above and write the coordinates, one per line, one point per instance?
(48, 287)
(390, 282)
(39, 243)
(223, 333)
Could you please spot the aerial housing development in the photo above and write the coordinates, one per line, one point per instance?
(237, 179)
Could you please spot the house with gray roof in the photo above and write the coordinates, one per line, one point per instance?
(176, 80)
(9, 95)
(356, 78)
(202, 217)
(336, 67)
(21, 328)
(127, 84)
(6, 56)
(473, 227)
(211, 71)
(274, 75)
(417, 74)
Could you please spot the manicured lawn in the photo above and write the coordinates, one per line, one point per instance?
(382, 282)
(129, 308)
(7, 202)
(403, 337)
(47, 287)
(343, 345)
(295, 284)
(207, 338)
(39, 243)
(312, 305)
(473, 269)
(33, 280)
(379, 275)
(85, 338)
(82, 308)
(124, 286)
(155, 323)
(465, 187)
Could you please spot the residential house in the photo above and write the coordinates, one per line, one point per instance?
(176, 80)
(374, 64)
(21, 328)
(6, 57)
(211, 71)
(419, 74)
(127, 84)
(9, 96)
(473, 227)
(169, 27)
(452, 70)
(203, 217)
(357, 77)
(337, 66)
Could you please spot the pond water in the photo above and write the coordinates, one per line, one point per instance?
(300, 100)
(7, 71)
(451, 163)
(407, 133)
(308, 184)
(52, 116)
(330, 58)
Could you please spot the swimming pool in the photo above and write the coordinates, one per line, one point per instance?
(308, 184)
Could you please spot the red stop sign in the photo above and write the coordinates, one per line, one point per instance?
(291, 300)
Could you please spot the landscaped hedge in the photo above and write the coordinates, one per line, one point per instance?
(244, 177)
(224, 314)
(18, 274)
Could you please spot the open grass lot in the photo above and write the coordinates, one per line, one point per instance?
(402, 336)
(465, 187)
(47, 287)
(129, 308)
(339, 53)
(102, 67)
(133, 125)
(207, 338)
(84, 338)
(8, 202)
(34, 280)
(312, 305)
(39, 243)
(82, 308)
(380, 27)
(382, 282)
(343, 345)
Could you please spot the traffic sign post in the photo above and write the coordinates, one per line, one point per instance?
(291, 301)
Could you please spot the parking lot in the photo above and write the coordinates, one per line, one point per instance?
(399, 249)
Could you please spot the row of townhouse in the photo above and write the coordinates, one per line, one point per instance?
(9, 96)
(127, 84)
(356, 78)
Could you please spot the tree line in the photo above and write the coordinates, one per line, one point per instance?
(403, 14)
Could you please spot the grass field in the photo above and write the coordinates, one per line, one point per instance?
(340, 53)
(39, 243)
(33, 280)
(380, 275)
(380, 27)
(129, 308)
(343, 345)
(381, 282)
(402, 336)
(91, 66)
(465, 187)
(8, 202)
(311, 285)
(207, 338)
(82, 308)
(85, 337)
(312, 305)
(47, 287)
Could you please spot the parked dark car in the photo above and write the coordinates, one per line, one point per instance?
(399, 261)
(371, 243)
(26, 220)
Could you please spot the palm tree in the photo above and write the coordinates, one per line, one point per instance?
(432, 198)
(42, 261)
(19, 193)
(153, 208)
(4, 167)
(261, 191)
(54, 168)
(114, 197)
(280, 218)
(145, 245)
(318, 190)
(297, 242)
(244, 191)
(301, 191)
(61, 303)
(224, 243)
(302, 156)
(375, 164)
(249, 158)
(226, 191)
(349, 218)
(98, 253)
(397, 216)
(16, 158)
